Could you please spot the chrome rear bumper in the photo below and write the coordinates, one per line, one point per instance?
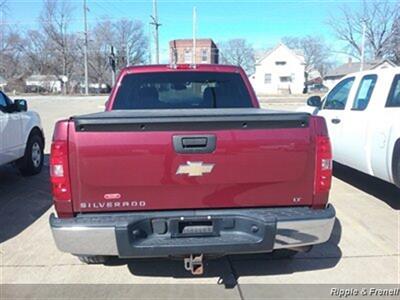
(158, 234)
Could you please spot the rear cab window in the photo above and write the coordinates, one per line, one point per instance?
(186, 89)
(364, 92)
(394, 94)
(337, 98)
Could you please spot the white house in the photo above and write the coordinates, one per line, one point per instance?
(48, 82)
(280, 71)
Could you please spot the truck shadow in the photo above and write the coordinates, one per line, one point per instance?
(22, 200)
(230, 268)
(378, 188)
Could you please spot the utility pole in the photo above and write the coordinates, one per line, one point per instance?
(149, 37)
(85, 48)
(155, 23)
(364, 28)
(128, 62)
(113, 64)
(194, 37)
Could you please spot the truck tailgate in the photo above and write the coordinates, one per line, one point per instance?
(128, 160)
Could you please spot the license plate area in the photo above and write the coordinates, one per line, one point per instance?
(194, 227)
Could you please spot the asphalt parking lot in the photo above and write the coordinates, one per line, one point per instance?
(364, 247)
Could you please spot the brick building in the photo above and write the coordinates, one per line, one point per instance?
(181, 51)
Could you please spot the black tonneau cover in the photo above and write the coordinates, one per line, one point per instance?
(189, 119)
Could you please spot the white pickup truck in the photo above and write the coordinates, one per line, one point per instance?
(21, 136)
(362, 112)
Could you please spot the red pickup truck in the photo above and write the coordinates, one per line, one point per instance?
(184, 163)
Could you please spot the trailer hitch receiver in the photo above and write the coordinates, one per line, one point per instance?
(194, 264)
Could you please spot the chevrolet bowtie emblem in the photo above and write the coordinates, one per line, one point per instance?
(194, 168)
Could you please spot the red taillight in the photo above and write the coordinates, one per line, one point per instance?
(323, 171)
(59, 174)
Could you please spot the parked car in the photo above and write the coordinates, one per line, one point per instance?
(317, 88)
(35, 89)
(362, 112)
(21, 136)
(184, 163)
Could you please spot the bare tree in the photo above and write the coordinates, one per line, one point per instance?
(37, 52)
(11, 53)
(126, 36)
(316, 52)
(129, 35)
(395, 42)
(377, 16)
(55, 20)
(100, 41)
(238, 52)
(54, 49)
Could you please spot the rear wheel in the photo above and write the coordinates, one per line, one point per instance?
(93, 259)
(32, 162)
(398, 174)
(396, 164)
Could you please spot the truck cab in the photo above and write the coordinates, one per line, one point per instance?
(22, 139)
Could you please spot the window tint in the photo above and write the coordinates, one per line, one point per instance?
(364, 92)
(337, 98)
(3, 102)
(186, 89)
(394, 95)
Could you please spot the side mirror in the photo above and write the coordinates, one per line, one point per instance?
(20, 105)
(314, 101)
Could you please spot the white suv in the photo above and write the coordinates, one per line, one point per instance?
(21, 136)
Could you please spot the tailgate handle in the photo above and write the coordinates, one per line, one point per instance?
(194, 144)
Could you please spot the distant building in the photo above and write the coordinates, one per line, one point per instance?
(279, 71)
(43, 83)
(334, 75)
(181, 51)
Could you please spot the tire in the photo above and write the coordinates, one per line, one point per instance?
(93, 259)
(32, 162)
(398, 173)
(396, 164)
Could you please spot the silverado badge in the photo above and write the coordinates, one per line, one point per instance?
(194, 168)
